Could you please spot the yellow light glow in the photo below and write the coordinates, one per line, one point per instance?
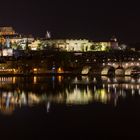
(35, 69)
(60, 79)
(60, 70)
(14, 80)
(35, 80)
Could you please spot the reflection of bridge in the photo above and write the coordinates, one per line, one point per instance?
(114, 68)
(81, 90)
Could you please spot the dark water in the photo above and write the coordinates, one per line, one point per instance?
(69, 107)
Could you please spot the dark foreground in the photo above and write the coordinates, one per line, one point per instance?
(69, 122)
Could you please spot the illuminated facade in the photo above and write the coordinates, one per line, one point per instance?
(78, 45)
(6, 31)
(69, 45)
(10, 39)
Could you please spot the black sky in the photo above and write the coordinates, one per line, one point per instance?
(73, 19)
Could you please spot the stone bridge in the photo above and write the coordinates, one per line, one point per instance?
(113, 68)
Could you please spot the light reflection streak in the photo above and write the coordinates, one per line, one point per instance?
(106, 93)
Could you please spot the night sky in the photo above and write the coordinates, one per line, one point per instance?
(73, 19)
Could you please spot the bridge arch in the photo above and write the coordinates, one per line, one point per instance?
(108, 70)
(120, 71)
(129, 70)
(86, 70)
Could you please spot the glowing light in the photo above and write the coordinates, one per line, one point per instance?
(60, 70)
(94, 80)
(94, 88)
(139, 91)
(114, 86)
(133, 91)
(108, 89)
(132, 87)
(126, 86)
(60, 79)
(35, 70)
(35, 80)
(115, 80)
(133, 80)
(126, 64)
(85, 70)
(103, 64)
(78, 97)
(101, 95)
(48, 106)
(14, 80)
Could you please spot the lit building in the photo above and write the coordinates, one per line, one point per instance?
(34, 45)
(7, 31)
(69, 44)
(9, 39)
(78, 45)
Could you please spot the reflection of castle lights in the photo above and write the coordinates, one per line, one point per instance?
(78, 97)
(115, 80)
(133, 91)
(9, 100)
(133, 80)
(87, 80)
(72, 95)
(132, 86)
(123, 94)
(33, 98)
(60, 79)
(60, 70)
(139, 80)
(35, 80)
(126, 64)
(102, 96)
(115, 90)
(35, 70)
(14, 80)
(126, 86)
(48, 106)
(94, 80)
(94, 88)
(108, 80)
(103, 64)
(138, 86)
(108, 89)
(114, 85)
(76, 80)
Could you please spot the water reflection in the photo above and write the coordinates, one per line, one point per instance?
(17, 92)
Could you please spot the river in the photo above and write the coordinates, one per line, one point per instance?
(64, 106)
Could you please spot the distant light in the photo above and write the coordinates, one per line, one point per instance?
(60, 70)
(35, 69)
